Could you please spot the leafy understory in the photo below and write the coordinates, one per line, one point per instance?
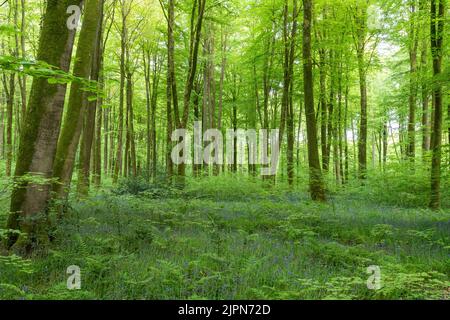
(247, 242)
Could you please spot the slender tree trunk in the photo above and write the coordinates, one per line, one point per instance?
(2, 132)
(22, 79)
(361, 21)
(338, 130)
(9, 123)
(426, 128)
(385, 143)
(316, 183)
(209, 101)
(132, 142)
(172, 92)
(290, 107)
(234, 119)
(147, 71)
(106, 134)
(331, 111)
(411, 151)
(196, 30)
(323, 111)
(346, 153)
(437, 37)
(197, 168)
(98, 143)
(223, 65)
(112, 139)
(118, 166)
(299, 141)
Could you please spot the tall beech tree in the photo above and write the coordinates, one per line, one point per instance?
(315, 173)
(180, 119)
(125, 13)
(413, 48)
(360, 17)
(437, 40)
(38, 141)
(78, 100)
(89, 119)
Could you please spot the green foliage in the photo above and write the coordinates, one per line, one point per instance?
(140, 186)
(273, 245)
(397, 186)
(401, 283)
(41, 69)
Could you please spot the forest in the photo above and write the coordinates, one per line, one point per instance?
(224, 150)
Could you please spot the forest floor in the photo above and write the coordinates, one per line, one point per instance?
(224, 238)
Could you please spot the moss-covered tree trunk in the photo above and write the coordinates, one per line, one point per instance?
(361, 33)
(87, 138)
(2, 132)
(316, 182)
(289, 80)
(39, 136)
(23, 79)
(9, 122)
(437, 37)
(73, 120)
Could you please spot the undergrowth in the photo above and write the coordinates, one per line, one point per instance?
(230, 238)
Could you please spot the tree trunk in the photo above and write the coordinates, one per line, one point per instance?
(346, 152)
(118, 166)
(89, 123)
(290, 106)
(131, 138)
(73, 121)
(316, 182)
(323, 111)
(9, 123)
(2, 132)
(98, 143)
(437, 35)
(411, 152)
(146, 59)
(196, 29)
(426, 127)
(22, 79)
(39, 138)
(361, 21)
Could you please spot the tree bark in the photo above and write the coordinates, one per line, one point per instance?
(316, 183)
(89, 121)
(73, 121)
(9, 122)
(39, 137)
(196, 30)
(361, 25)
(437, 37)
(414, 43)
(118, 165)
